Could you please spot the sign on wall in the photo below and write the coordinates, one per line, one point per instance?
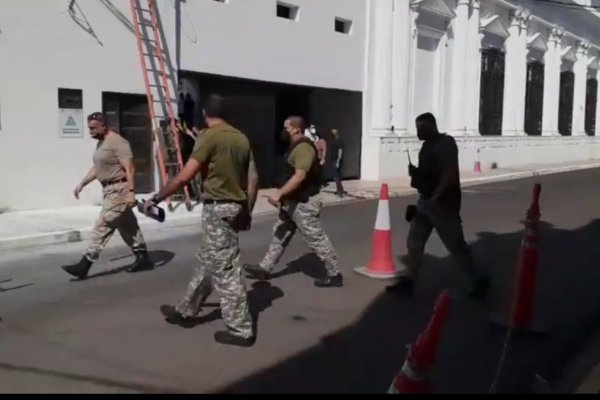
(70, 113)
(71, 123)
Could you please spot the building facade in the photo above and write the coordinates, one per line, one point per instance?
(516, 82)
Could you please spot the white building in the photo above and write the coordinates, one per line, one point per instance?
(513, 81)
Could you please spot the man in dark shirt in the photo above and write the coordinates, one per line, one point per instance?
(438, 181)
(337, 156)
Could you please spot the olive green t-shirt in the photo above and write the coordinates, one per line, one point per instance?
(109, 154)
(225, 155)
(302, 157)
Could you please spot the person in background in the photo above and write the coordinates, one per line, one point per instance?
(337, 157)
(181, 106)
(310, 132)
(189, 108)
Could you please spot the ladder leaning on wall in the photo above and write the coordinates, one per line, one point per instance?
(160, 99)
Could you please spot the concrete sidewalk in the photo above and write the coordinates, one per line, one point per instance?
(25, 229)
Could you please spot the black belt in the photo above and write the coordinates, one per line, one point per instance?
(109, 183)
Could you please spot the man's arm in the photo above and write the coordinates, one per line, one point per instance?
(294, 182)
(448, 179)
(129, 168)
(252, 183)
(449, 164)
(188, 173)
(89, 178)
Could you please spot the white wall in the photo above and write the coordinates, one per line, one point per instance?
(504, 152)
(246, 39)
(43, 49)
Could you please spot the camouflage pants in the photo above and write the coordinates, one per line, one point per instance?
(116, 214)
(220, 269)
(305, 218)
(448, 225)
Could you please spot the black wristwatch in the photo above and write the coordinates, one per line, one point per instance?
(154, 200)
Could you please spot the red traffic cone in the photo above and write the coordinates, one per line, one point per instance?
(381, 265)
(521, 316)
(415, 373)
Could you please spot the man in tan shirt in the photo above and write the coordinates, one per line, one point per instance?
(114, 169)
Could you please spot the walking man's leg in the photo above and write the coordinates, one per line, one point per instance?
(226, 273)
(307, 218)
(103, 230)
(200, 286)
(418, 235)
(131, 233)
(448, 225)
(338, 182)
(283, 232)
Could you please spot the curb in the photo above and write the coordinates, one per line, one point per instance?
(84, 234)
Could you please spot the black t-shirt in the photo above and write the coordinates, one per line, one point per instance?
(436, 156)
(334, 150)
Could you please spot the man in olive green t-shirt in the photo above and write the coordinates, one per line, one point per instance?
(300, 209)
(224, 158)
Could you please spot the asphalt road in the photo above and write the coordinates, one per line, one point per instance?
(106, 335)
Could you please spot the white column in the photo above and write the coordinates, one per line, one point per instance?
(380, 74)
(412, 65)
(401, 46)
(473, 83)
(456, 120)
(513, 118)
(579, 95)
(598, 103)
(552, 61)
(378, 93)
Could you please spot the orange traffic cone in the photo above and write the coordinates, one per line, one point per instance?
(415, 373)
(521, 316)
(382, 264)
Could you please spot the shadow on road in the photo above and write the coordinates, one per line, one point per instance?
(309, 265)
(107, 383)
(364, 357)
(11, 288)
(158, 259)
(260, 298)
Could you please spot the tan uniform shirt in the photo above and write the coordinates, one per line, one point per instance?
(108, 157)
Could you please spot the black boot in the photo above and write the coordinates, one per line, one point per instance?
(79, 270)
(226, 337)
(256, 272)
(330, 281)
(141, 263)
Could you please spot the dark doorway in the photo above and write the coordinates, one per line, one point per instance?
(534, 100)
(565, 109)
(259, 109)
(590, 106)
(492, 92)
(128, 114)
